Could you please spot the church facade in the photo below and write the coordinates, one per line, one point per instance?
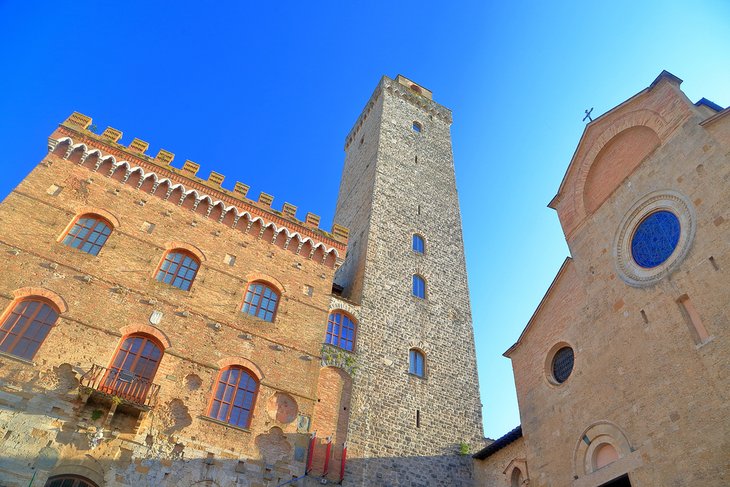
(622, 372)
(160, 329)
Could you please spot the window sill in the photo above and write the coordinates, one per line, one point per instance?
(416, 376)
(707, 341)
(223, 423)
(18, 359)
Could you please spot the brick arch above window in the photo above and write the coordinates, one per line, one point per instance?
(241, 362)
(266, 279)
(55, 299)
(106, 214)
(170, 246)
(145, 329)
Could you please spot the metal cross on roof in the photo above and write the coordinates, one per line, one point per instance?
(588, 115)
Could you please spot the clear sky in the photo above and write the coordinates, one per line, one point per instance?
(265, 93)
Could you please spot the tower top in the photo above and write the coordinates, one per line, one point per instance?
(414, 86)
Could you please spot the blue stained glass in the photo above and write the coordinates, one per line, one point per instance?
(655, 239)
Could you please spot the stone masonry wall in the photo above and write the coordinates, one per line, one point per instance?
(413, 191)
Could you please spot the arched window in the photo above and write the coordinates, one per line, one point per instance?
(416, 363)
(25, 326)
(418, 244)
(260, 301)
(88, 234)
(419, 287)
(234, 396)
(417, 127)
(133, 368)
(178, 269)
(69, 481)
(517, 478)
(341, 330)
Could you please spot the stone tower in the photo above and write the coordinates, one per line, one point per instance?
(398, 181)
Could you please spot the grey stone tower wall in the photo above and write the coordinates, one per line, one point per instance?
(387, 195)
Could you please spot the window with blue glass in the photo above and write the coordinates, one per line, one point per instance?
(89, 234)
(419, 287)
(178, 269)
(655, 239)
(416, 363)
(341, 330)
(418, 244)
(260, 301)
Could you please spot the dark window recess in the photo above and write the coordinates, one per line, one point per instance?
(418, 418)
(563, 364)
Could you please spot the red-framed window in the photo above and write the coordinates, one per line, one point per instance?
(88, 234)
(234, 396)
(261, 301)
(416, 363)
(178, 269)
(133, 367)
(25, 326)
(341, 330)
(69, 481)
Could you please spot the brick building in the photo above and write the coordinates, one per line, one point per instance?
(158, 329)
(622, 372)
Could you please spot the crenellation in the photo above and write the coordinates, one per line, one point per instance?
(111, 134)
(139, 146)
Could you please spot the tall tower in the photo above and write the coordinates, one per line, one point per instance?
(407, 422)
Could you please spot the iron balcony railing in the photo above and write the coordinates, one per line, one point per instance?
(132, 389)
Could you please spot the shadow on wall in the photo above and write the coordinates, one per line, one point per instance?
(151, 472)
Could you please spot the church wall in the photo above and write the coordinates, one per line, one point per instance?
(497, 470)
(639, 371)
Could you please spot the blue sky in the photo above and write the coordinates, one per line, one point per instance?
(265, 94)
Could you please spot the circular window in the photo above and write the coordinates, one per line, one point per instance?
(562, 364)
(655, 239)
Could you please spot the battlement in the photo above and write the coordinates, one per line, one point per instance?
(408, 90)
(75, 131)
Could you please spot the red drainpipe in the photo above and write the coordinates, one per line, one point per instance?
(310, 453)
(327, 457)
(344, 460)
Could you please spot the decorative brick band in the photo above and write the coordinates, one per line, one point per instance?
(303, 240)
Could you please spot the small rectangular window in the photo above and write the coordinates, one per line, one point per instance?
(229, 259)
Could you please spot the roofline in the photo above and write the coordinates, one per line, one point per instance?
(499, 443)
(664, 75)
(715, 117)
(539, 307)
